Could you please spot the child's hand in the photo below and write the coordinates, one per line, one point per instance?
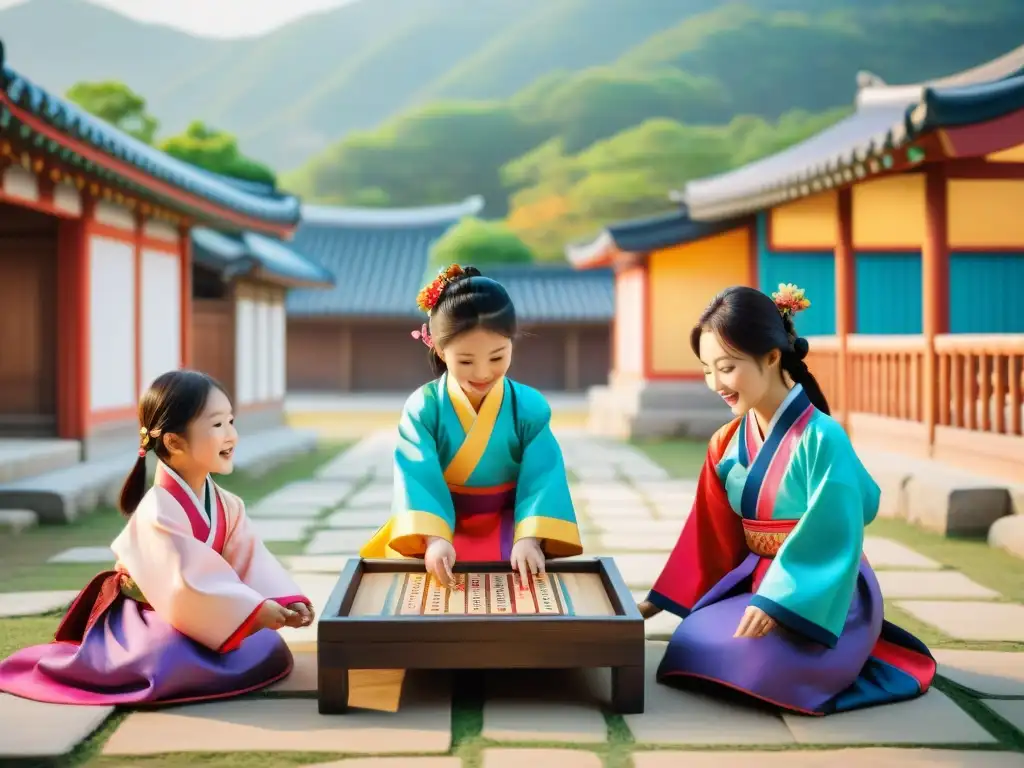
(303, 615)
(439, 560)
(527, 557)
(274, 616)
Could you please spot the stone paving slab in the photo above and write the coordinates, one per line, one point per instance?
(393, 762)
(296, 511)
(541, 758)
(637, 542)
(885, 553)
(318, 564)
(84, 555)
(326, 493)
(357, 518)
(931, 719)
(639, 571)
(641, 472)
(280, 530)
(992, 673)
(636, 524)
(32, 729)
(422, 724)
(966, 620)
(667, 488)
(317, 587)
(594, 471)
(677, 512)
(674, 716)
(857, 757)
(339, 541)
(544, 706)
(608, 491)
(617, 516)
(374, 496)
(660, 626)
(33, 603)
(1011, 710)
(924, 584)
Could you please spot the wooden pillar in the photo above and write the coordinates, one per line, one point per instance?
(185, 251)
(73, 321)
(846, 300)
(934, 287)
(572, 360)
(140, 231)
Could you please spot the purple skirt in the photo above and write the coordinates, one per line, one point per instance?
(874, 662)
(132, 656)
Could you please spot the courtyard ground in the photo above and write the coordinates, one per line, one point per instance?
(963, 598)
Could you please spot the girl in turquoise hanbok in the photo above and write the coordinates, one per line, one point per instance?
(479, 475)
(769, 574)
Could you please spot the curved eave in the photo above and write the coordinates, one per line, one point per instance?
(255, 257)
(344, 216)
(53, 125)
(599, 252)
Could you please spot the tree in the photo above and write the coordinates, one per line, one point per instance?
(117, 104)
(216, 151)
(474, 241)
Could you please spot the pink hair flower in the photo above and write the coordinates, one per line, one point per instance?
(423, 335)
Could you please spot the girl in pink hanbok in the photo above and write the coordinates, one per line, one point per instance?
(191, 610)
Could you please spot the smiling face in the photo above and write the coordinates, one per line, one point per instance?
(741, 380)
(477, 359)
(209, 442)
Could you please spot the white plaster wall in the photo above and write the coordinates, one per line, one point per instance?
(262, 351)
(278, 356)
(19, 182)
(111, 324)
(160, 230)
(115, 216)
(161, 314)
(67, 198)
(629, 322)
(245, 348)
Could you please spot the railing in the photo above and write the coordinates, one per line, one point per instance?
(970, 403)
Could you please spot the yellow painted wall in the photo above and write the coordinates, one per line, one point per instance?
(629, 322)
(889, 213)
(985, 213)
(1011, 155)
(805, 224)
(683, 279)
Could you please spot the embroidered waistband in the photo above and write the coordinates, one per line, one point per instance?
(765, 537)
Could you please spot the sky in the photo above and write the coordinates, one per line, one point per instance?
(214, 18)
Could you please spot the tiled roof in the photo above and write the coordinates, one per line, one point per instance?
(887, 119)
(557, 293)
(377, 256)
(68, 120)
(638, 236)
(251, 254)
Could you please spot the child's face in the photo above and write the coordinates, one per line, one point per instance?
(477, 359)
(211, 436)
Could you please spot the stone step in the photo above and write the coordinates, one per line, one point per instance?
(17, 520)
(26, 457)
(61, 495)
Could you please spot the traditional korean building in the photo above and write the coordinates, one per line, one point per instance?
(902, 222)
(96, 265)
(356, 336)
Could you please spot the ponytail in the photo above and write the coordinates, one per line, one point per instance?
(134, 487)
(793, 364)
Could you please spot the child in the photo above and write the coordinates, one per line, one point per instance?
(478, 473)
(769, 572)
(189, 613)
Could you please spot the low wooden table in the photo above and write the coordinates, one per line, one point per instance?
(387, 614)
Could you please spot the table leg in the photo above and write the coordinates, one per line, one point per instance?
(332, 690)
(628, 690)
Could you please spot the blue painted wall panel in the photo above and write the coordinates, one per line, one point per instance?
(888, 293)
(986, 293)
(812, 271)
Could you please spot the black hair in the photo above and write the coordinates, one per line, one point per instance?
(749, 322)
(471, 301)
(172, 402)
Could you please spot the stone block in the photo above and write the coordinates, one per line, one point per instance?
(280, 530)
(84, 555)
(357, 518)
(989, 673)
(14, 521)
(1007, 533)
(930, 584)
(885, 553)
(392, 762)
(319, 564)
(639, 570)
(965, 620)
(343, 541)
(540, 758)
(32, 729)
(544, 706)
(33, 603)
(876, 757)
(955, 505)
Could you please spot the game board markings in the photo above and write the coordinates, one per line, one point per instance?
(426, 592)
(389, 605)
(563, 590)
(555, 585)
(533, 594)
(401, 592)
(511, 593)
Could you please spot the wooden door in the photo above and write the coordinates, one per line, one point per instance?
(28, 335)
(213, 340)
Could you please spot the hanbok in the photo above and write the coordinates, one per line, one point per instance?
(481, 480)
(175, 620)
(778, 523)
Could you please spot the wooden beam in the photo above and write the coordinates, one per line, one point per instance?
(935, 287)
(846, 297)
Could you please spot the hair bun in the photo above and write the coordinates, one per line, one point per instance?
(471, 272)
(801, 347)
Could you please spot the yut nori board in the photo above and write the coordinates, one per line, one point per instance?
(388, 614)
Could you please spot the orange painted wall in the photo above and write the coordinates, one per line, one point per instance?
(683, 279)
